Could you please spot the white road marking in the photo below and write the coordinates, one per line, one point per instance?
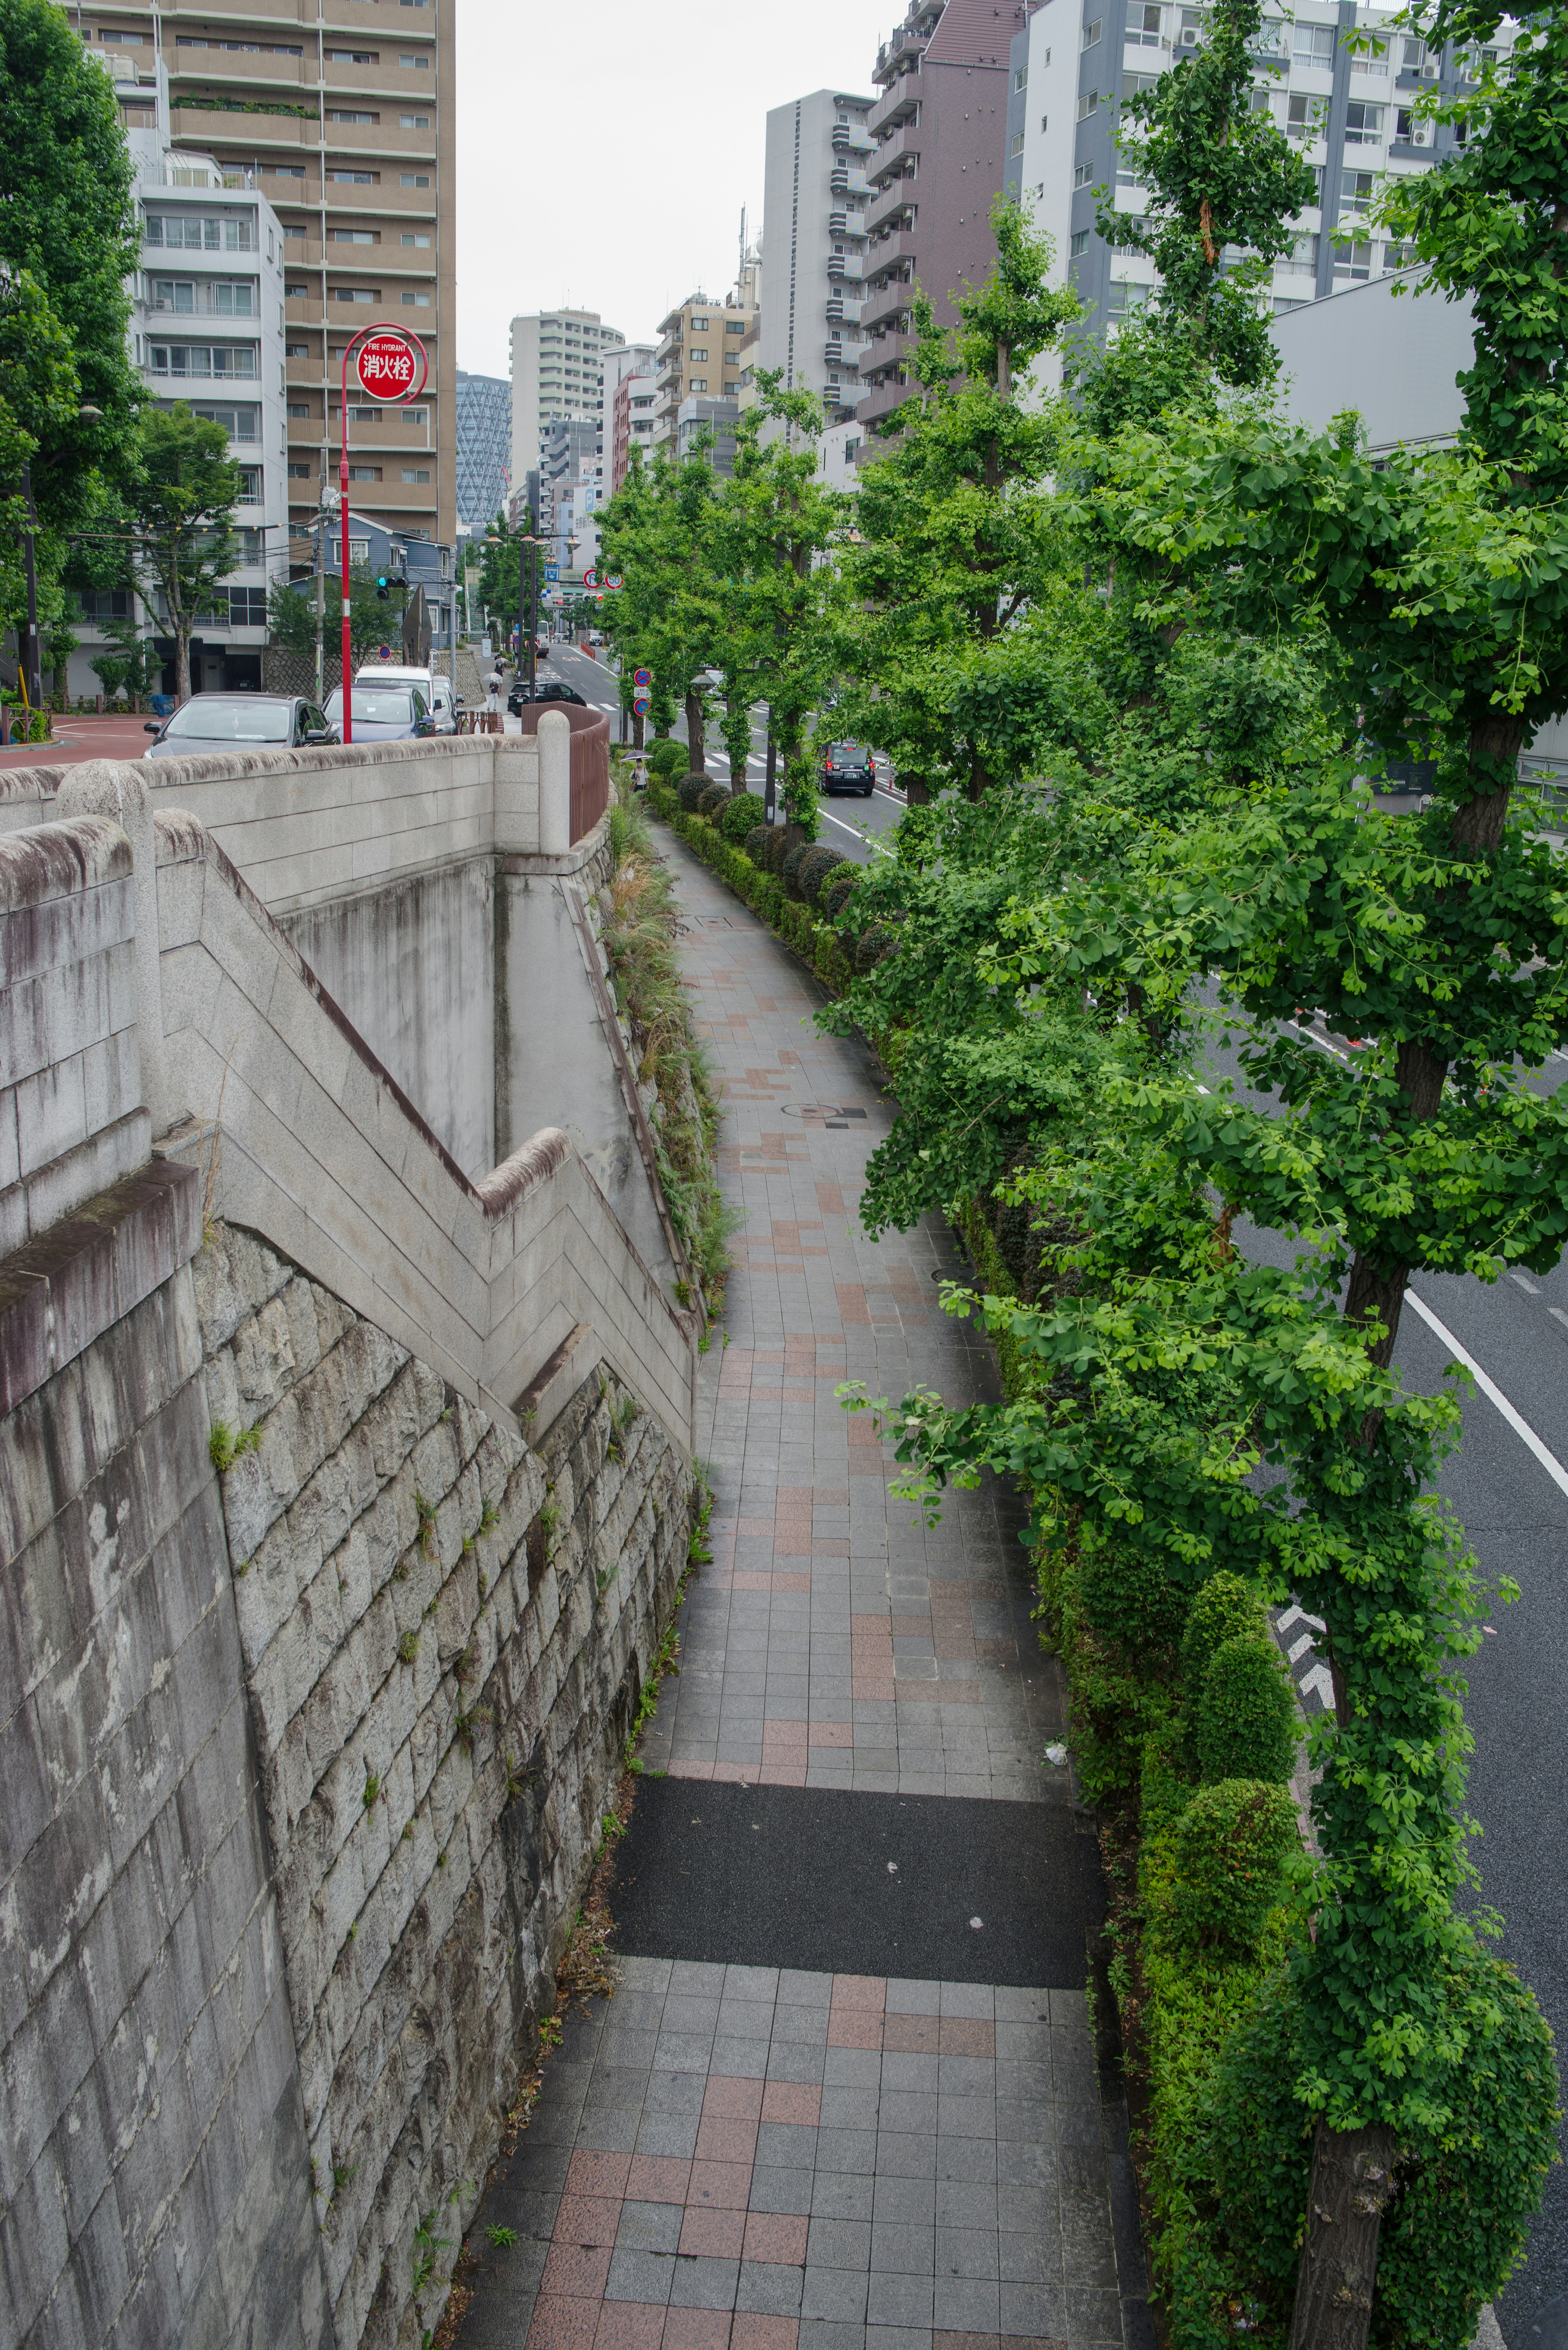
(1493, 1393)
(1320, 1680)
(876, 845)
(1298, 1650)
(1558, 1315)
(1299, 1616)
(1528, 1286)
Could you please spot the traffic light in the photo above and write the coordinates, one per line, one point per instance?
(382, 590)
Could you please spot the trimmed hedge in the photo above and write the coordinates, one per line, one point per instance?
(667, 758)
(1232, 1842)
(745, 814)
(815, 866)
(815, 943)
(1245, 1724)
(756, 844)
(690, 790)
(838, 890)
(711, 799)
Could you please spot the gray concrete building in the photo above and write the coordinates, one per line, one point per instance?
(940, 125)
(484, 448)
(1351, 114)
(814, 245)
(557, 366)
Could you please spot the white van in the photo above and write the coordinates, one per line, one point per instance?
(443, 702)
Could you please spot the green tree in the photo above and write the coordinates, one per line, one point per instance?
(948, 554)
(291, 616)
(68, 246)
(178, 510)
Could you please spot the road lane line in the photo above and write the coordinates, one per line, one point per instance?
(1493, 1394)
(855, 835)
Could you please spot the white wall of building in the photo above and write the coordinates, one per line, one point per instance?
(1382, 349)
(811, 309)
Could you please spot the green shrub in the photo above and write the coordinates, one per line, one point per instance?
(838, 890)
(755, 843)
(1222, 1609)
(744, 812)
(878, 940)
(1232, 1841)
(1244, 1723)
(667, 759)
(794, 859)
(1467, 2189)
(711, 799)
(690, 791)
(815, 866)
(779, 847)
(1127, 1596)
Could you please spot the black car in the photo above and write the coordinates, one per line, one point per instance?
(848, 767)
(549, 688)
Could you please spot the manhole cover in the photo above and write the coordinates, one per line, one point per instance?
(822, 1113)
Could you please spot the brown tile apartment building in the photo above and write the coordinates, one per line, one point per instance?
(343, 110)
(941, 125)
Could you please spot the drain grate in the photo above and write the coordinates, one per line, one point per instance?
(822, 1113)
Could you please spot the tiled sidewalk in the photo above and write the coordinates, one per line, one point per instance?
(748, 2158)
(729, 2158)
(833, 1642)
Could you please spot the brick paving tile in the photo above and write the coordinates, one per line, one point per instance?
(730, 2158)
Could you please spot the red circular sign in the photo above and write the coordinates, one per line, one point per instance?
(388, 366)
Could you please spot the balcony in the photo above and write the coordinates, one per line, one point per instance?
(852, 141)
(888, 304)
(893, 207)
(904, 43)
(903, 99)
(845, 223)
(841, 313)
(904, 146)
(844, 268)
(894, 253)
(883, 401)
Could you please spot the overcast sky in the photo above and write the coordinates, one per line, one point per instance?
(604, 147)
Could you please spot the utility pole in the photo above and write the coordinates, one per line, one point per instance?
(32, 663)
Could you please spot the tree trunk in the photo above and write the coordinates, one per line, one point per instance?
(181, 663)
(638, 724)
(771, 778)
(1496, 741)
(1351, 2187)
(696, 733)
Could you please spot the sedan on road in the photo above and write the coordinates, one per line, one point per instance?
(217, 721)
(384, 713)
(549, 688)
(848, 767)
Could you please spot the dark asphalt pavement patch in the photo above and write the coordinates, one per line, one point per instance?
(799, 1877)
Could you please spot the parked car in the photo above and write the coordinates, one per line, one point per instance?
(549, 688)
(848, 767)
(216, 722)
(382, 712)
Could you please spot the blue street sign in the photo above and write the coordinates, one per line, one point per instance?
(552, 572)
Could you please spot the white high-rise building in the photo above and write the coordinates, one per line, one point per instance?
(557, 378)
(814, 246)
(1351, 116)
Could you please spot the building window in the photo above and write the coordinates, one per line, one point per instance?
(247, 607)
(699, 355)
(1363, 124)
(699, 326)
(285, 171)
(354, 178)
(1017, 147)
(299, 408)
(1080, 242)
(1135, 84)
(1020, 78)
(352, 56)
(353, 236)
(356, 294)
(1143, 28)
(350, 114)
(415, 65)
(1301, 259)
(698, 383)
(414, 122)
(1351, 263)
(415, 236)
(250, 485)
(1283, 302)
(1355, 190)
(1314, 45)
(1303, 115)
(1082, 176)
(296, 350)
(414, 179)
(299, 469)
(1044, 122)
(416, 473)
(201, 359)
(1087, 104)
(416, 301)
(1092, 33)
(363, 474)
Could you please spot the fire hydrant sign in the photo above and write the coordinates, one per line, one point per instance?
(387, 367)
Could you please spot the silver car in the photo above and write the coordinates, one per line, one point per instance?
(221, 722)
(383, 713)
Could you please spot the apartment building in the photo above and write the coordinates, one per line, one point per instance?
(698, 357)
(340, 113)
(1351, 114)
(483, 411)
(630, 393)
(814, 246)
(206, 327)
(939, 125)
(571, 458)
(557, 367)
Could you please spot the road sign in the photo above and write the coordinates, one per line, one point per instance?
(612, 579)
(590, 578)
(383, 652)
(388, 366)
(639, 708)
(641, 678)
(552, 572)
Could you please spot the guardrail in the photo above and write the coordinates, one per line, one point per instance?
(589, 759)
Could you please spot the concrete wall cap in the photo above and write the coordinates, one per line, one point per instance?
(542, 1156)
(103, 787)
(60, 860)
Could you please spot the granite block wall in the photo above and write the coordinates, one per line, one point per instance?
(444, 1633)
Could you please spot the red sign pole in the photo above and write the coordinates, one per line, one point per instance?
(398, 376)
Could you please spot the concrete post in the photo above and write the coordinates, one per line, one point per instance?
(554, 782)
(115, 787)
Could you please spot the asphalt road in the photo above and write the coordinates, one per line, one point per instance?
(1513, 1505)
